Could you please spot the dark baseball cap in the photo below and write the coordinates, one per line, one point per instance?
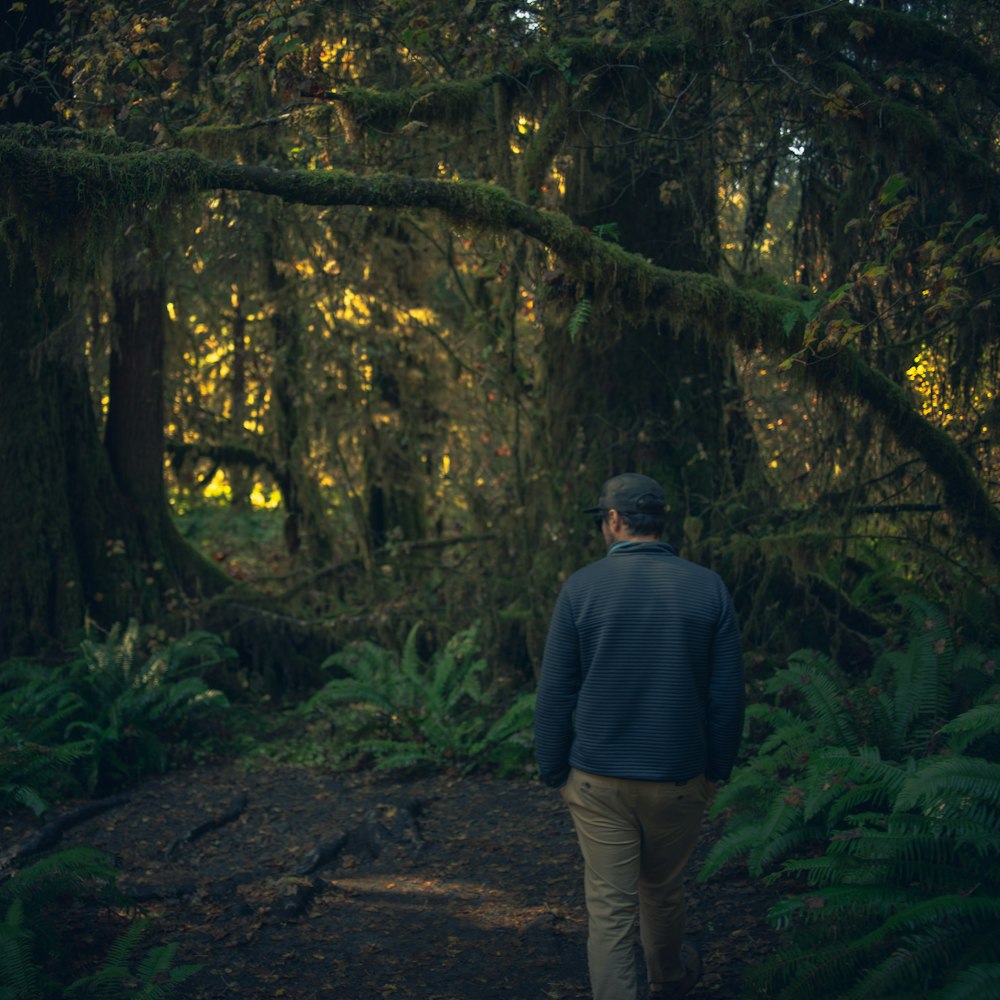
(630, 493)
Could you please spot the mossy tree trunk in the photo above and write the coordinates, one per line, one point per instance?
(84, 529)
(43, 593)
(305, 527)
(67, 537)
(654, 395)
(134, 439)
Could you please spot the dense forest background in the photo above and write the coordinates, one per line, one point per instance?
(320, 322)
(338, 315)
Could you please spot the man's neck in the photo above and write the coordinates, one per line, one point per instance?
(620, 537)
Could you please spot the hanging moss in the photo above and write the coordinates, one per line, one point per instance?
(451, 104)
(73, 198)
(71, 202)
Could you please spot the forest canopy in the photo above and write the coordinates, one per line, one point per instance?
(323, 319)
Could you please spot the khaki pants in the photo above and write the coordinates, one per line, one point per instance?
(636, 838)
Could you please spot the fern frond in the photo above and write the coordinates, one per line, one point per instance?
(398, 755)
(946, 782)
(840, 783)
(23, 795)
(518, 718)
(155, 977)
(579, 318)
(920, 940)
(735, 843)
(750, 789)
(978, 722)
(810, 971)
(814, 674)
(159, 977)
(19, 975)
(409, 660)
(973, 983)
(57, 874)
(828, 904)
(957, 914)
(109, 980)
(790, 734)
(921, 674)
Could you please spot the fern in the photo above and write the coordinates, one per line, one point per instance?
(26, 767)
(831, 904)
(918, 678)
(20, 977)
(154, 978)
(31, 901)
(736, 843)
(816, 678)
(112, 706)
(158, 976)
(976, 982)
(951, 785)
(65, 873)
(579, 318)
(898, 843)
(428, 714)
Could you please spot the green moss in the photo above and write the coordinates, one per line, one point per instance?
(71, 201)
(448, 103)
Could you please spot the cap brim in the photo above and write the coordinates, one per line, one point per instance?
(593, 510)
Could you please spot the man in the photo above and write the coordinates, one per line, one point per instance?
(639, 715)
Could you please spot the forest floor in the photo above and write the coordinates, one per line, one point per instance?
(298, 883)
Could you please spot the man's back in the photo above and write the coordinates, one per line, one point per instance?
(644, 647)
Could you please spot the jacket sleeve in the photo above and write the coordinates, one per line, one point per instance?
(726, 695)
(557, 693)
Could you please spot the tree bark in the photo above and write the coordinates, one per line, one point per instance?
(84, 529)
(46, 583)
(134, 431)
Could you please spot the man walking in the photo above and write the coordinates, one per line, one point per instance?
(639, 715)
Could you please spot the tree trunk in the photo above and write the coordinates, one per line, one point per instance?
(134, 431)
(305, 528)
(84, 529)
(656, 396)
(164, 566)
(43, 587)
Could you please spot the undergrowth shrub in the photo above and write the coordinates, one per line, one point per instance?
(107, 712)
(408, 713)
(89, 724)
(36, 905)
(882, 801)
(26, 768)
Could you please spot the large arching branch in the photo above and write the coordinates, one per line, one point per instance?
(106, 186)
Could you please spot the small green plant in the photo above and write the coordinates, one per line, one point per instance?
(883, 798)
(26, 768)
(791, 794)
(434, 714)
(110, 708)
(151, 976)
(34, 903)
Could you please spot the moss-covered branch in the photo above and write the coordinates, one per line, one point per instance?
(452, 102)
(53, 182)
(845, 373)
(54, 185)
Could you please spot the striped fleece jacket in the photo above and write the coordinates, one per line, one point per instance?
(642, 676)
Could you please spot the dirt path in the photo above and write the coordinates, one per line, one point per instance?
(300, 884)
